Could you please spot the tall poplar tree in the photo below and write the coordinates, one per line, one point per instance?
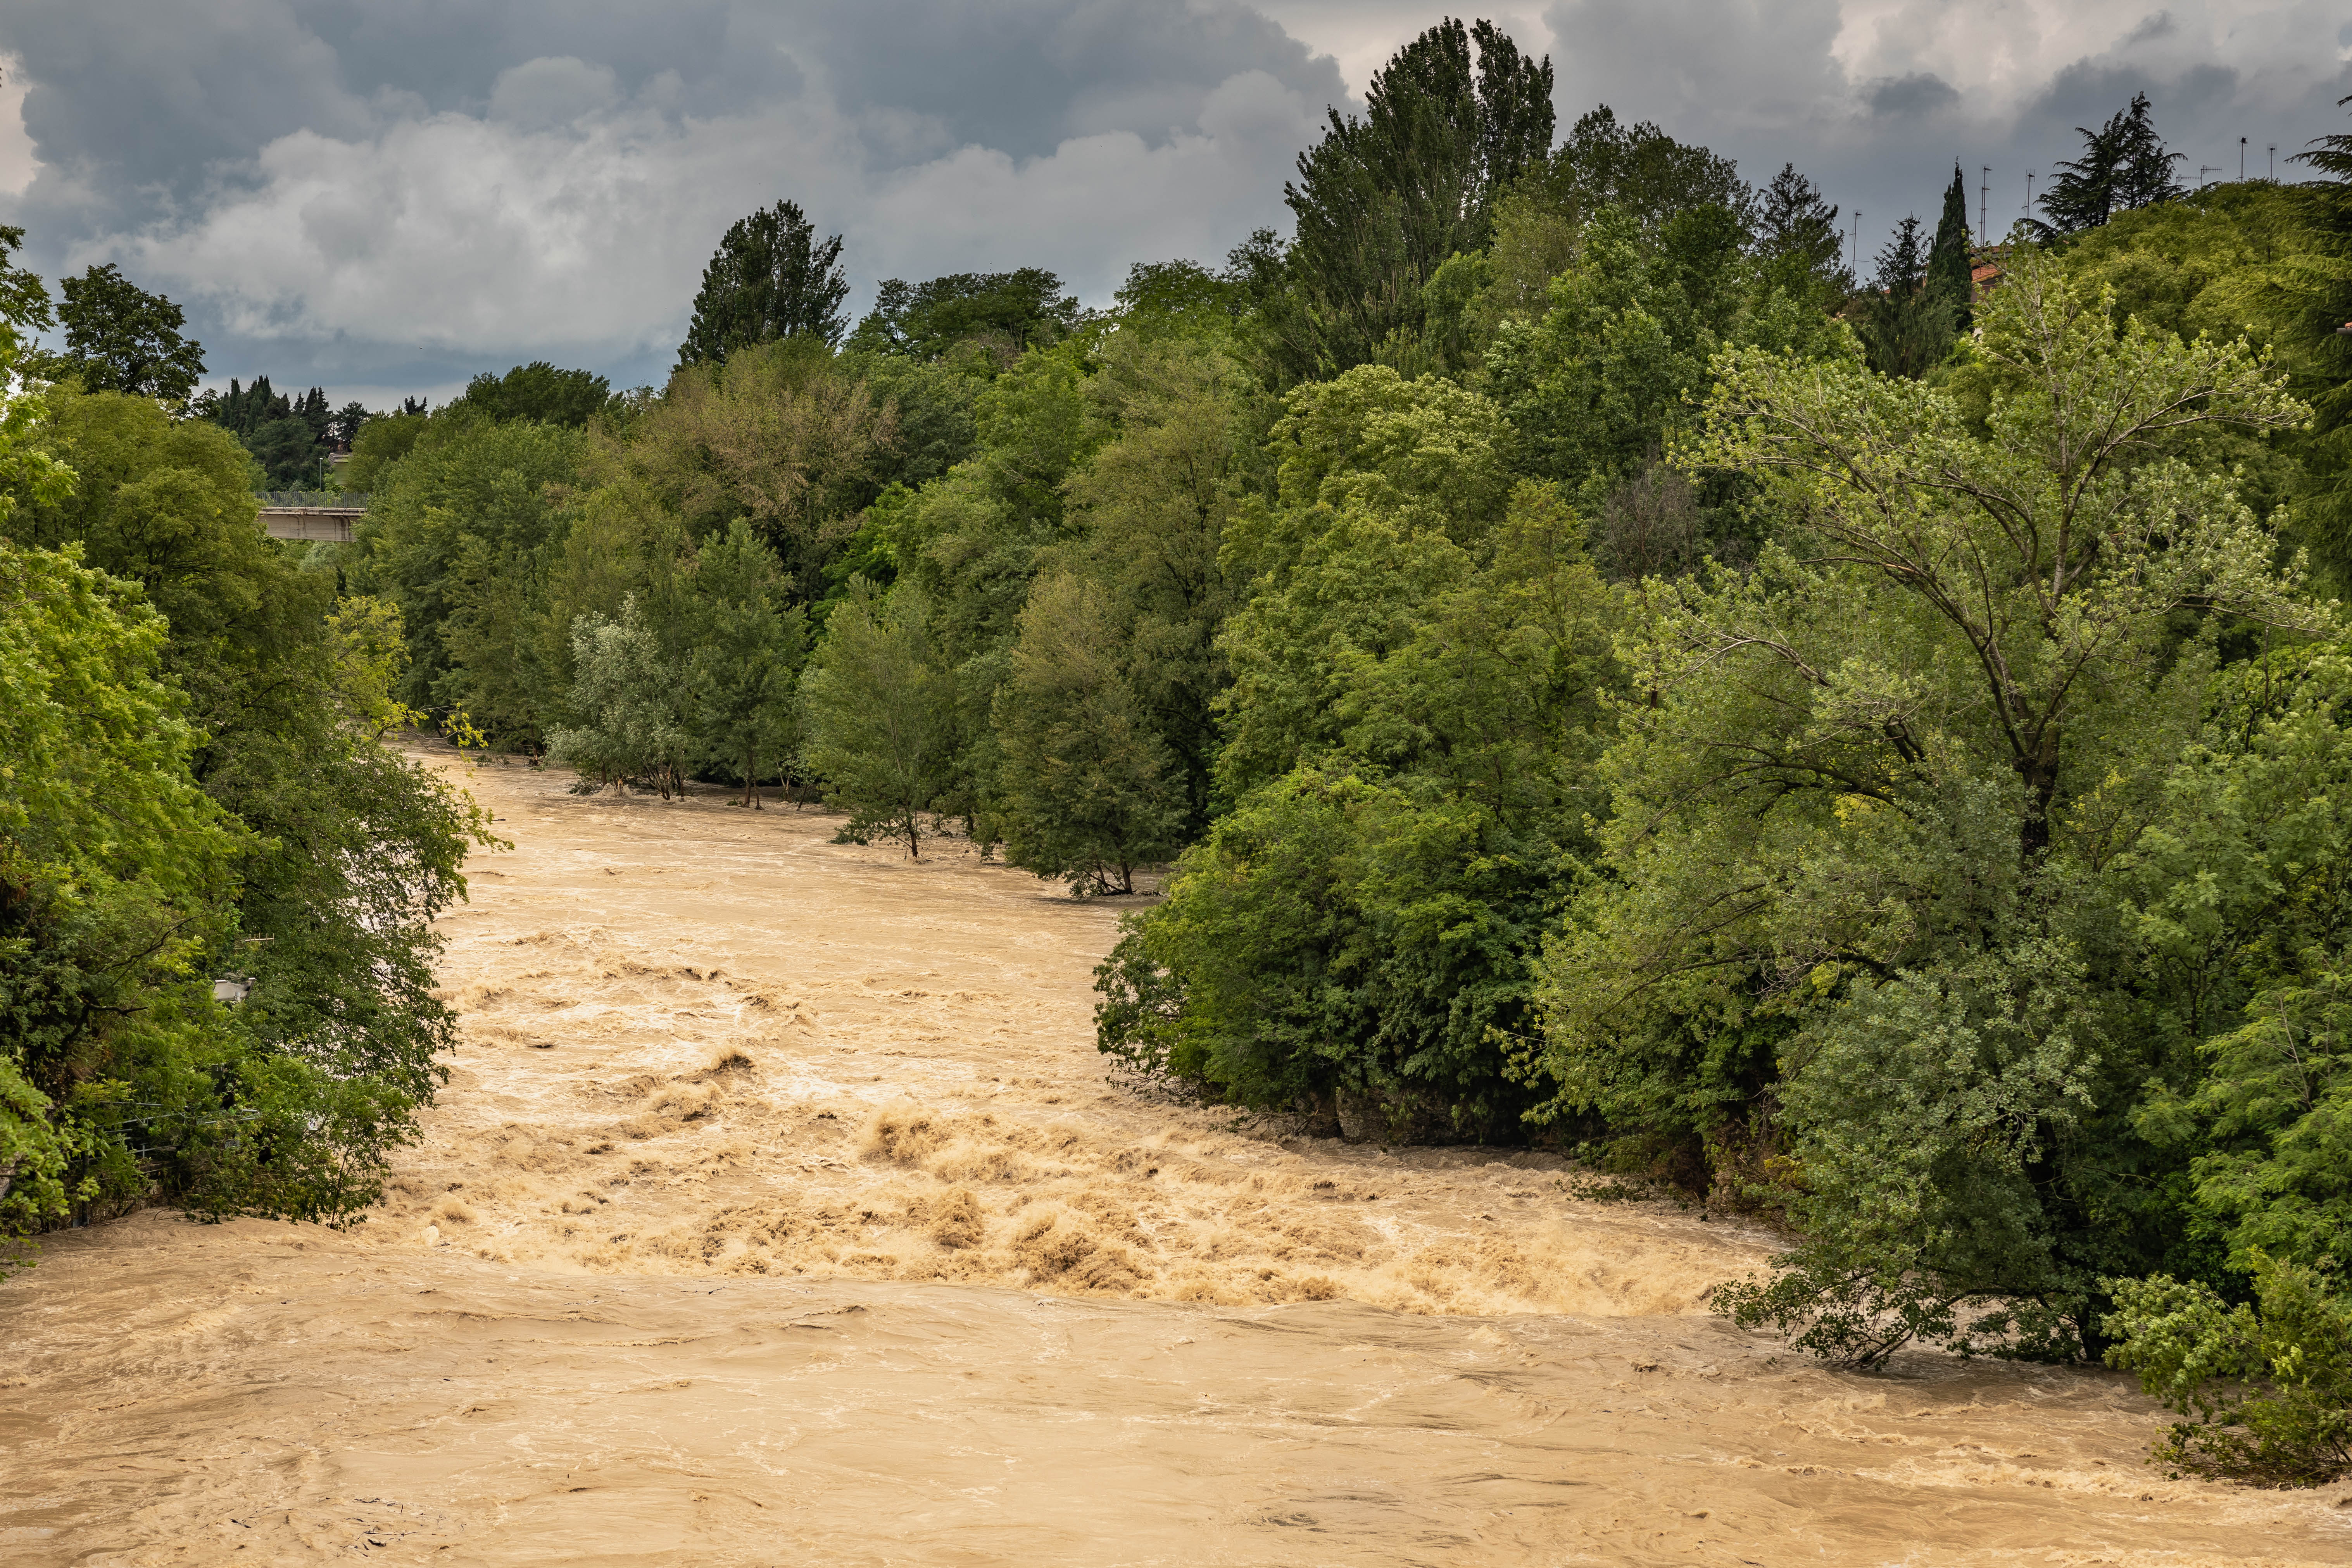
(1382, 202)
(771, 278)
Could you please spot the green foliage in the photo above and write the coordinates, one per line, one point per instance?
(453, 537)
(1605, 376)
(1418, 668)
(1864, 807)
(1153, 504)
(627, 704)
(24, 297)
(211, 798)
(2125, 164)
(2266, 1387)
(1179, 298)
(1798, 237)
(1381, 203)
(1088, 791)
(113, 871)
(1645, 174)
(1907, 320)
(120, 338)
(380, 443)
(778, 436)
(880, 709)
(1949, 268)
(748, 646)
(288, 437)
(537, 391)
(995, 315)
(771, 278)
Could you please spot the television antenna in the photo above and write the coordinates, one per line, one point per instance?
(2203, 170)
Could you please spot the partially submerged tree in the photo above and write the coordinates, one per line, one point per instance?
(748, 645)
(626, 702)
(1089, 791)
(881, 715)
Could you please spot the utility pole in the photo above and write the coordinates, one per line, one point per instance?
(1984, 207)
(2273, 174)
(2242, 160)
(1855, 250)
(2029, 193)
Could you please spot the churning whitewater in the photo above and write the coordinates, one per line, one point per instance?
(779, 1208)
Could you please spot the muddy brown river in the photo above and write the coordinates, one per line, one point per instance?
(780, 1211)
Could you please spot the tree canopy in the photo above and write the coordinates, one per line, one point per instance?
(771, 278)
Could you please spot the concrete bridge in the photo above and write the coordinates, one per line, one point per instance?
(326, 515)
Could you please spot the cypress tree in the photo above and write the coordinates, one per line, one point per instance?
(1948, 264)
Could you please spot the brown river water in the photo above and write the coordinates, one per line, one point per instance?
(780, 1210)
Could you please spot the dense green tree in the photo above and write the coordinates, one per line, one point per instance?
(120, 338)
(1382, 203)
(1387, 487)
(2316, 291)
(2125, 164)
(344, 852)
(1905, 323)
(627, 704)
(453, 537)
(2264, 1386)
(536, 391)
(1796, 235)
(880, 708)
(1949, 273)
(996, 315)
(381, 442)
(1152, 506)
(289, 436)
(1179, 298)
(748, 646)
(114, 870)
(1865, 801)
(1360, 931)
(1642, 173)
(771, 278)
(1601, 380)
(1089, 790)
(24, 297)
(778, 435)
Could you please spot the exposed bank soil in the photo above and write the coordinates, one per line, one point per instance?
(779, 1209)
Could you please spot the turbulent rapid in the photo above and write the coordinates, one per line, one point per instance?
(779, 1208)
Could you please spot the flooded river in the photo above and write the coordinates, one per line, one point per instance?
(780, 1210)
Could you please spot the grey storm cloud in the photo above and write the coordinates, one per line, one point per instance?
(387, 195)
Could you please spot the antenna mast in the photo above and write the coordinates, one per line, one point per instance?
(1984, 207)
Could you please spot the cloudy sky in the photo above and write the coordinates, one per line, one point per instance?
(387, 196)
